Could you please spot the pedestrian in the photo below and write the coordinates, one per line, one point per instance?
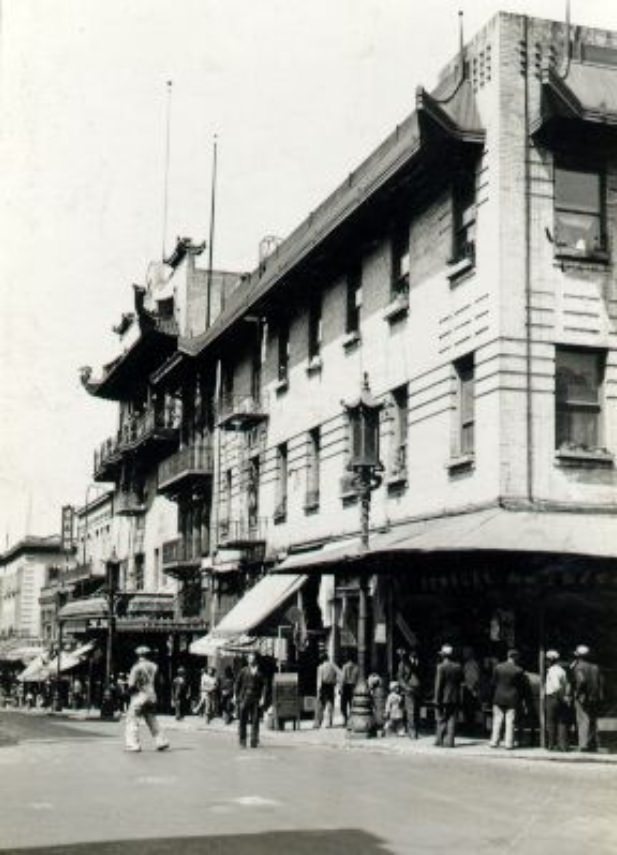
(226, 690)
(210, 684)
(328, 675)
(378, 703)
(141, 685)
(471, 700)
(349, 678)
(122, 693)
(395, 715)
(557, 711)
(408, 678)
(77, 694)
(448, 679)
(180, 693)
(508, 696)
(587, 690)
(250, 690)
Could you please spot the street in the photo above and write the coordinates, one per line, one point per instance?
(67, 786)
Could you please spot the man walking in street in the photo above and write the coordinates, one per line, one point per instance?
(349, 679)
(181, 694)
(587, 692)
(328, 676)
(448, 679)
(508, 695)
(250, 692)
(556, 691)
(408, 679)
(141, 685)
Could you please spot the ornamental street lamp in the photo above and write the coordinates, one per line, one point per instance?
(364, 462)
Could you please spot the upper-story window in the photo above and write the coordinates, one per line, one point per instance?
(311, 502)
(400, 260)
(315, 323)
(283, 350)
(578, 399)
(464, 215)
(398, 456)
(354, 300)
(465, 428)
(580, 216)
(280, 510)
(252, 492)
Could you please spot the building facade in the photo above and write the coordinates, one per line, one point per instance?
(467, 266)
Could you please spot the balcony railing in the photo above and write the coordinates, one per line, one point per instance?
(128, 504)
(183, 554)
(148, 425)
(187, 466)
(241, 532)
(106, 460)
(241, 412)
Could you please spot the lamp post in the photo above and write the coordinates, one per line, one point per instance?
(363, 414)
(112, 566)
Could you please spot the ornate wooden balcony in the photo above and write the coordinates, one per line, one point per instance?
(128, 504)
(107, 459)
(188, 468)
(149, 431)
(241, 533)
(241, 412)
(181, 557)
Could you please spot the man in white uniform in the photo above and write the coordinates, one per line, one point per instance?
(141, 684)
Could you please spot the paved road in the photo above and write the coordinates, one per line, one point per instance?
(69, 787)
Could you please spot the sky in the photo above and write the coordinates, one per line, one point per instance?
(298, 92)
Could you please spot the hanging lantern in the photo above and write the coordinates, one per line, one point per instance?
(363, 416)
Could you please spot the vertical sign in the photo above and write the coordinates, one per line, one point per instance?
(67, 528)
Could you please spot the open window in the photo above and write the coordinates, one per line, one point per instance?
(579, 376)
(580, 216)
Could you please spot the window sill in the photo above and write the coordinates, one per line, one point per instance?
(569, 254)
(314, 366)
(573, 457)
(397, 308)
(397, 479)
(282, 386)
(311, 508)
(461, 463)
(459, 267)
(280, 518)
(351, 340)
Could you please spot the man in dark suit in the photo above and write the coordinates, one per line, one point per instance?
(250, 690)
(448, 679)
(508, 695)
(587, 691)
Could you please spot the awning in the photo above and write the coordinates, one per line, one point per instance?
(588, 93)
(70, 660)
(93, 607)
(256, 605)
(490, 530)
(151, 604)
(36, 672)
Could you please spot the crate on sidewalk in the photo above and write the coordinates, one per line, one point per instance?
(285, 700)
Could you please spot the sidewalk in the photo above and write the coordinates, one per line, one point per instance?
(337, 738)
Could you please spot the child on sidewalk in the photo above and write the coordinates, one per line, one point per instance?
(394, 711)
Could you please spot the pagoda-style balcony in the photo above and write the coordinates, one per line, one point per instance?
(151, 431)
(107, 459)
(128, 504)
(182, 556)
(188, 468)
(241, 533)
(241, 412)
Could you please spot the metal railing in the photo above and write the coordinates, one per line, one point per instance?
(141, 426)
(241, 407)
(181, 550)
(243, 530)
(193, 458)
(127, 502)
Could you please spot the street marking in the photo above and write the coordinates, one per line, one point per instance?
(41, 805)
(255, 801)
(154, 779)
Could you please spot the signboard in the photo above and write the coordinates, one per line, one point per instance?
(285, 699)
(67, 528)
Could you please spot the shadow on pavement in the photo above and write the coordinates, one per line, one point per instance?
(325, 842)
(16, 726)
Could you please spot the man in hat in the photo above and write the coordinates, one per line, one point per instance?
(141, 685)
(557, 694)
(588, 693)
(508, 695)
(250, 691)
(448, 679)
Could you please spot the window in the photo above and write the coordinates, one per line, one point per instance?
(465, 405)
(579, 210)
(280, 511)
(312, 479)
(354, 300)
(578, 399)
(398, 460)
(315, 324)
(253, 491)
(400, 261)
(283, 350)
(138, 569)
(464, 215)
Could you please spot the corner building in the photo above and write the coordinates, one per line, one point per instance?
(468, 266)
